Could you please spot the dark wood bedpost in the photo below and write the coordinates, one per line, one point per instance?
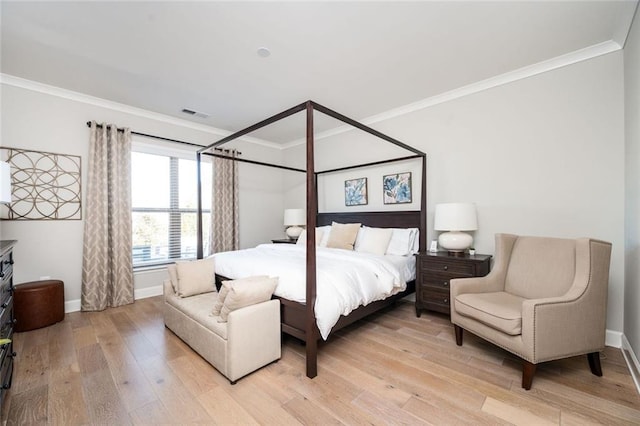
(311, 338)
(199, 252)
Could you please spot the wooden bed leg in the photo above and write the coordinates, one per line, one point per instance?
(311, 347)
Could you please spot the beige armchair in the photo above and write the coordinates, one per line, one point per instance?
(545, 299)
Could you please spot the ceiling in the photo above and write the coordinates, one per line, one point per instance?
(359, 58)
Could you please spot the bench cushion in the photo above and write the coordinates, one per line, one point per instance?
(198, 308)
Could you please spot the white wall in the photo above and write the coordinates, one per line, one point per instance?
(539, 156)
(55, 122)
(632, 186)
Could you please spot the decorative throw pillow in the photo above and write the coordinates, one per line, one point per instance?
(247, 293)
(224, 290)
(343, 235)
(195, 277)
(173, 276)
(375, 240)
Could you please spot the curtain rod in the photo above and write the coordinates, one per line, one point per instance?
(146, 135)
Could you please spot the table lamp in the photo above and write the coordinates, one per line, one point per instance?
(455, 218)
(294, 219)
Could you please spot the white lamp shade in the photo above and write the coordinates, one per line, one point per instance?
(5, 182)
(294, 217)
(455, 217)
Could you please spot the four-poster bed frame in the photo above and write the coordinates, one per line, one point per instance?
(299, 319)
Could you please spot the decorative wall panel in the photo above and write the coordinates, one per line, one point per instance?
(45, 186)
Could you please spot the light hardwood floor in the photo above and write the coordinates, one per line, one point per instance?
(122, 366)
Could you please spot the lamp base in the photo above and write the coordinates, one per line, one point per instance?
(294, 232)
(455, 241)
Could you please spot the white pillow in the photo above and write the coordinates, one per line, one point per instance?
(375, 240)
(403, 241)
(302, 239)
(195, 277)
(246, 293)
(326, 232)
(359, 237)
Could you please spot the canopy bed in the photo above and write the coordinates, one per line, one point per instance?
(299, 318)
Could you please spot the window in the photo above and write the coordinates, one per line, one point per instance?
(164, 213)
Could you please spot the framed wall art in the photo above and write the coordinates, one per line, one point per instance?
(44, 186)
(355, 192)
(397, 188)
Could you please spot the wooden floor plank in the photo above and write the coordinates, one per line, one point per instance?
(123, 366)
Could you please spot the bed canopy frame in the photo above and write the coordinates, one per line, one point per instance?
(305, 313)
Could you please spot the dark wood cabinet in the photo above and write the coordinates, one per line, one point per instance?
(6, 317)
(435, 271)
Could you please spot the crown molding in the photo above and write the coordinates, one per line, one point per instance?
(35, 86)
(499, 80)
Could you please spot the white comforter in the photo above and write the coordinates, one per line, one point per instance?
(345, 279)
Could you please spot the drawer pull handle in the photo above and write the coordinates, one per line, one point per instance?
(5, 304)
(446, 300)
(446, 268)
(8, 262)
(446, 283)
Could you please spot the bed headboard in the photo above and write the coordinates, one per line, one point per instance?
(388, 219)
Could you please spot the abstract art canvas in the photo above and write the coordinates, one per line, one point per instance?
(45, 186)
(397, 188)
(355, 192)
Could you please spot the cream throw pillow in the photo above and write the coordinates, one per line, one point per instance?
(224, 290)
(173, 276)
(195, 277)
(375, 240)
(343, 235)
(246, 293)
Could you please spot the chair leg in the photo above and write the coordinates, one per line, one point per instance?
(528, 370)
(594, 363)
(458, 330)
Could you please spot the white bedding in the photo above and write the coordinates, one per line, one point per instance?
(345, 279)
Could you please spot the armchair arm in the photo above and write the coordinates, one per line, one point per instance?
(487, 284)
(494, 281)
(253, 337)
(558, 327)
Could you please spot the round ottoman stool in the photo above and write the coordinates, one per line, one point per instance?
(38, 304)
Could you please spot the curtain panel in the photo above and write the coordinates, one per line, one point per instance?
(107, 269)
(225, 231)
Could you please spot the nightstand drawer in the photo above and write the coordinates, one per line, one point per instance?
(455, 268)
(436, 280)
(434, 275)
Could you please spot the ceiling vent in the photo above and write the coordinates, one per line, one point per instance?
(195, 113)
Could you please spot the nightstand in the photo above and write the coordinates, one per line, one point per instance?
(284, 241)
(435, 270)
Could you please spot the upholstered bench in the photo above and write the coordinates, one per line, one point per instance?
(235, 338)
(38, 304)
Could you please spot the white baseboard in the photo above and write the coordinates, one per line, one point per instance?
(143, 293)
(632, 361)
(613, 339)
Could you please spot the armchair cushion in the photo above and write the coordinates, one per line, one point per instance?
(500, 310)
